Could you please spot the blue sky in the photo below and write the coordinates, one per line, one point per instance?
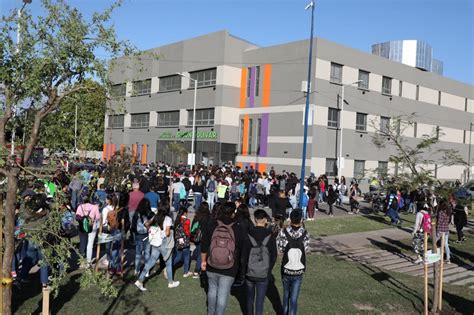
(448, 25)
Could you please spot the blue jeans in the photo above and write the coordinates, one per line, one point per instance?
(197, 254)
(142, 248)
(156, 252)
(446, 244)
(176, 200)
(211, 199)
(33, 256)
(113, 250)
(218, 292)
(261, 290)
(393, 215)
(252, 202)
(305, 212)
(197, 200)
(291, 291)
(185, 255)
(322, 196)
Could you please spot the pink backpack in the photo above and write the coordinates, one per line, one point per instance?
(426, 223)
(222, 248)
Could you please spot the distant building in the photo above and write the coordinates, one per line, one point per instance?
(413, 53)
(250, 106)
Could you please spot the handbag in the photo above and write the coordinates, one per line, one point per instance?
(85, 223)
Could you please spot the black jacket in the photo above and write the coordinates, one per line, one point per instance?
(239, 241)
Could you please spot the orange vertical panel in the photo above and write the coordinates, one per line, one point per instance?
(144, 148)
(243, 88)
(262, 167)
(122, 149)
(245, 142)
(239, 164)
(134, 152)
(104, 151)
(267, 77)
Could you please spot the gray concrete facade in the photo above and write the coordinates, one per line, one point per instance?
(273, 104)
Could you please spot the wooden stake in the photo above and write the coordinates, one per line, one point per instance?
(425, 267)
(46, 301)
(98, 247)
(121, 248)
(1, 256)
(440, 304)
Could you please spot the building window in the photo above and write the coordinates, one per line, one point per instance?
(417, 96)
(364, 78)
(464, 137)
(203, 77)
(384, 124)
(331, 167)
(141, 87)
(386, 85)
(333, 118)
(415, 129)
(439, 97)
(359, 168)
(382, 170)
(361, 122)
(400, 88)
(204, 117)
(336, 73)
(170, 83)
(118, 90)
(257, 80)
(140, 120)
(249, 149)
(168, 119)
(116, 121)
(249, 76)
(437, 132)
(259, 133)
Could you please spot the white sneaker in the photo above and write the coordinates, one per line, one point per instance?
(140, 286)
(147, 275)
(188, 274)
(351, 212)
(418, 261)
(173, 284)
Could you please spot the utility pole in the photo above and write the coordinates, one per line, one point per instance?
(306, 109)
(469, 153)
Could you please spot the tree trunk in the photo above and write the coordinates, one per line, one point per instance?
(8, 232)
(436, 272)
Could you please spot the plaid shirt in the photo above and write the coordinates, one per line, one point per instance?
(443, 222)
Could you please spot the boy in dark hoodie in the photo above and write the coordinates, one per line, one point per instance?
(259, 261)
(293, 242)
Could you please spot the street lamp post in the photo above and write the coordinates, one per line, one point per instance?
(18, 38)
(339, 162)
(193, 133)
(469, 153)
(306, 109)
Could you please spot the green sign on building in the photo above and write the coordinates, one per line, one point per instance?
(200, 135)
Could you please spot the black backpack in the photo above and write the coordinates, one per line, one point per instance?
(186, 183)
(294, 256)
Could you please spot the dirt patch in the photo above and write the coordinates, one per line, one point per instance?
(364, 307)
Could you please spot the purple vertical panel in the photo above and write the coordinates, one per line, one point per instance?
(252, 87)
(264, 135)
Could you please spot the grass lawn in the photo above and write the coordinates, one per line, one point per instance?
(326, 226)
(330, 286)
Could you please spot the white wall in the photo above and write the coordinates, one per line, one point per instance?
(348, 120)
(320, 115)
(451, 135)
(154, 85)
(428, 95)
(127, 121)
(227, 75)
(349, 75)
(183, 117)
(375, 82)
(323, 69)
(409, 90)
(318, 166)
(153, 122)
(228, 116)
(452, 101)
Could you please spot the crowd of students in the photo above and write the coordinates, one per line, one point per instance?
(230, 233)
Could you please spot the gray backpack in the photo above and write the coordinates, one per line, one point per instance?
(259, 259)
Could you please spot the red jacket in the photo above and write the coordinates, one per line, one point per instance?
(186, 225)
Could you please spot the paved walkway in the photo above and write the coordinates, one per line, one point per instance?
(383, 249)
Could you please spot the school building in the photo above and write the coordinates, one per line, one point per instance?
(250, 106)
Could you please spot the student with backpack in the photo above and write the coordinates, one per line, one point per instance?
(211, 187)
(88, 216)
(161, 241)
(260, 255)
(221, 257)
(182, 235)
(140, 230)
(293, 242)
(422, 224)
(200, 222)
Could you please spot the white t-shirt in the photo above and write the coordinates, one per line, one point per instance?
(106, 211)
(166, 223)
(176, 187)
